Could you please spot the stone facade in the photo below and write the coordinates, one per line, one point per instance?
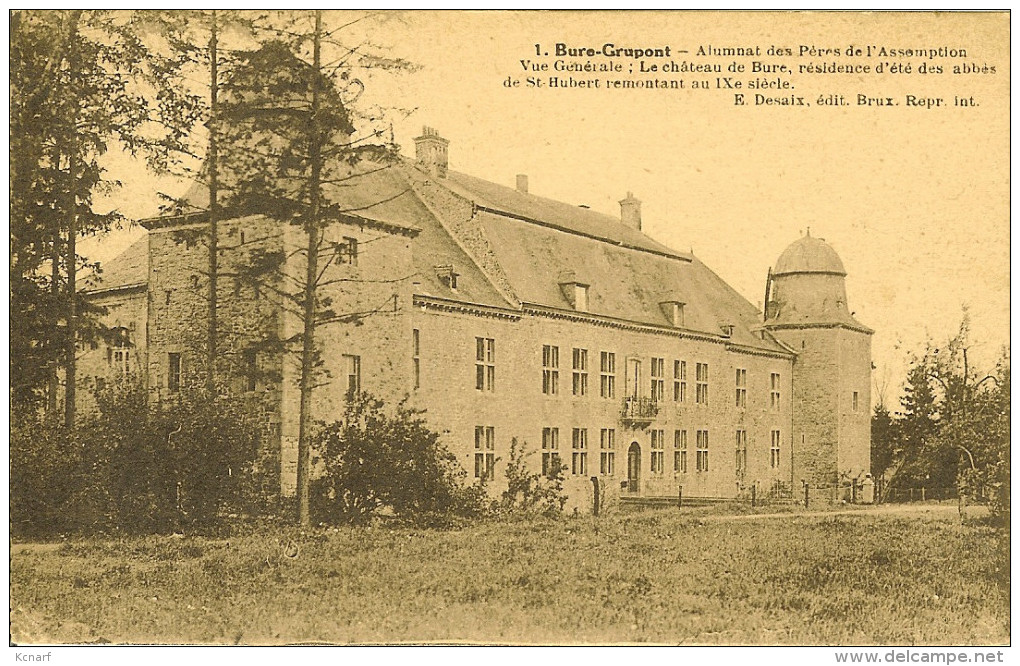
(519, 406)
(498, 313)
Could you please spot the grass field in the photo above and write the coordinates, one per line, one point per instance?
(653, 576)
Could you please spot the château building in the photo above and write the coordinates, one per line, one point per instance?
(508, 315)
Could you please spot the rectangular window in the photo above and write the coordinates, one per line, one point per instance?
(579, 452)
(416, 356)
(608, 374)
(658, 454)
(173, 378)
(580, 371)
(550, 369)
(485, 364)
(741, 453)
(485, 452)
(121, 360)
(774, 393)
(679, 370)
(352, 368)
(855, 405)
(347, 251)
(741, 388)
(702, 451)
(607, 451)
(701, 385)
(680, 451)
(550, 451)
(633, 377)
(774, 451)
(658, 379)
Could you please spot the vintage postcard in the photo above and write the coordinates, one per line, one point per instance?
(511, 328)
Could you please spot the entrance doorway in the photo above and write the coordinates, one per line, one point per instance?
(633, 467)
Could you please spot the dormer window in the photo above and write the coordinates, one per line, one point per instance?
(576, 294)
(447, 276)
(674, 311)
(727, 330)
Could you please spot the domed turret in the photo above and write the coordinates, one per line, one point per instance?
(807, 286)
(806, 309)
(809, 255)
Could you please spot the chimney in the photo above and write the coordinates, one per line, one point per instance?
(431, 152)
(522, 183)
(630, 211)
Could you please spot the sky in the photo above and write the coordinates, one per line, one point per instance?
(914, 198)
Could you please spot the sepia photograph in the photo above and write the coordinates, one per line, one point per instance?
(510, 328)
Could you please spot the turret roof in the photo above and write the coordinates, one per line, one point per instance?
(809, 255)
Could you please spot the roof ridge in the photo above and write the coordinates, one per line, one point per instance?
(615, 234)
(590, 211)
(584, 234)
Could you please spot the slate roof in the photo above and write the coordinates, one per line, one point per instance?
(540, 243)
(130, 268)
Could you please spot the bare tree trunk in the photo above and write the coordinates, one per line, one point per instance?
(54, 379)
(308, 338)
(72, 229)
(213, 205)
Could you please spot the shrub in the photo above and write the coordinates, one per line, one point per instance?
(138, 467)
(991, 482)
(375, 459)
(43, 459)
(217, 453)
(529, 492)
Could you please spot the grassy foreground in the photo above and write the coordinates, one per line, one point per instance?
(654, 576)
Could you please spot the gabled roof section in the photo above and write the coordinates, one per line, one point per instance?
(128, 269)
(436, 253)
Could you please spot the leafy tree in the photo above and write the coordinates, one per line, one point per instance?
(912, 462)
(42, 460)
(81, 82)
(885, 444)
(954, 428)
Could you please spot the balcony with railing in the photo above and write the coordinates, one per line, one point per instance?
(639, 410)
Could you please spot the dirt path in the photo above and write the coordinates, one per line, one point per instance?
(25, 548)
(939, 511)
